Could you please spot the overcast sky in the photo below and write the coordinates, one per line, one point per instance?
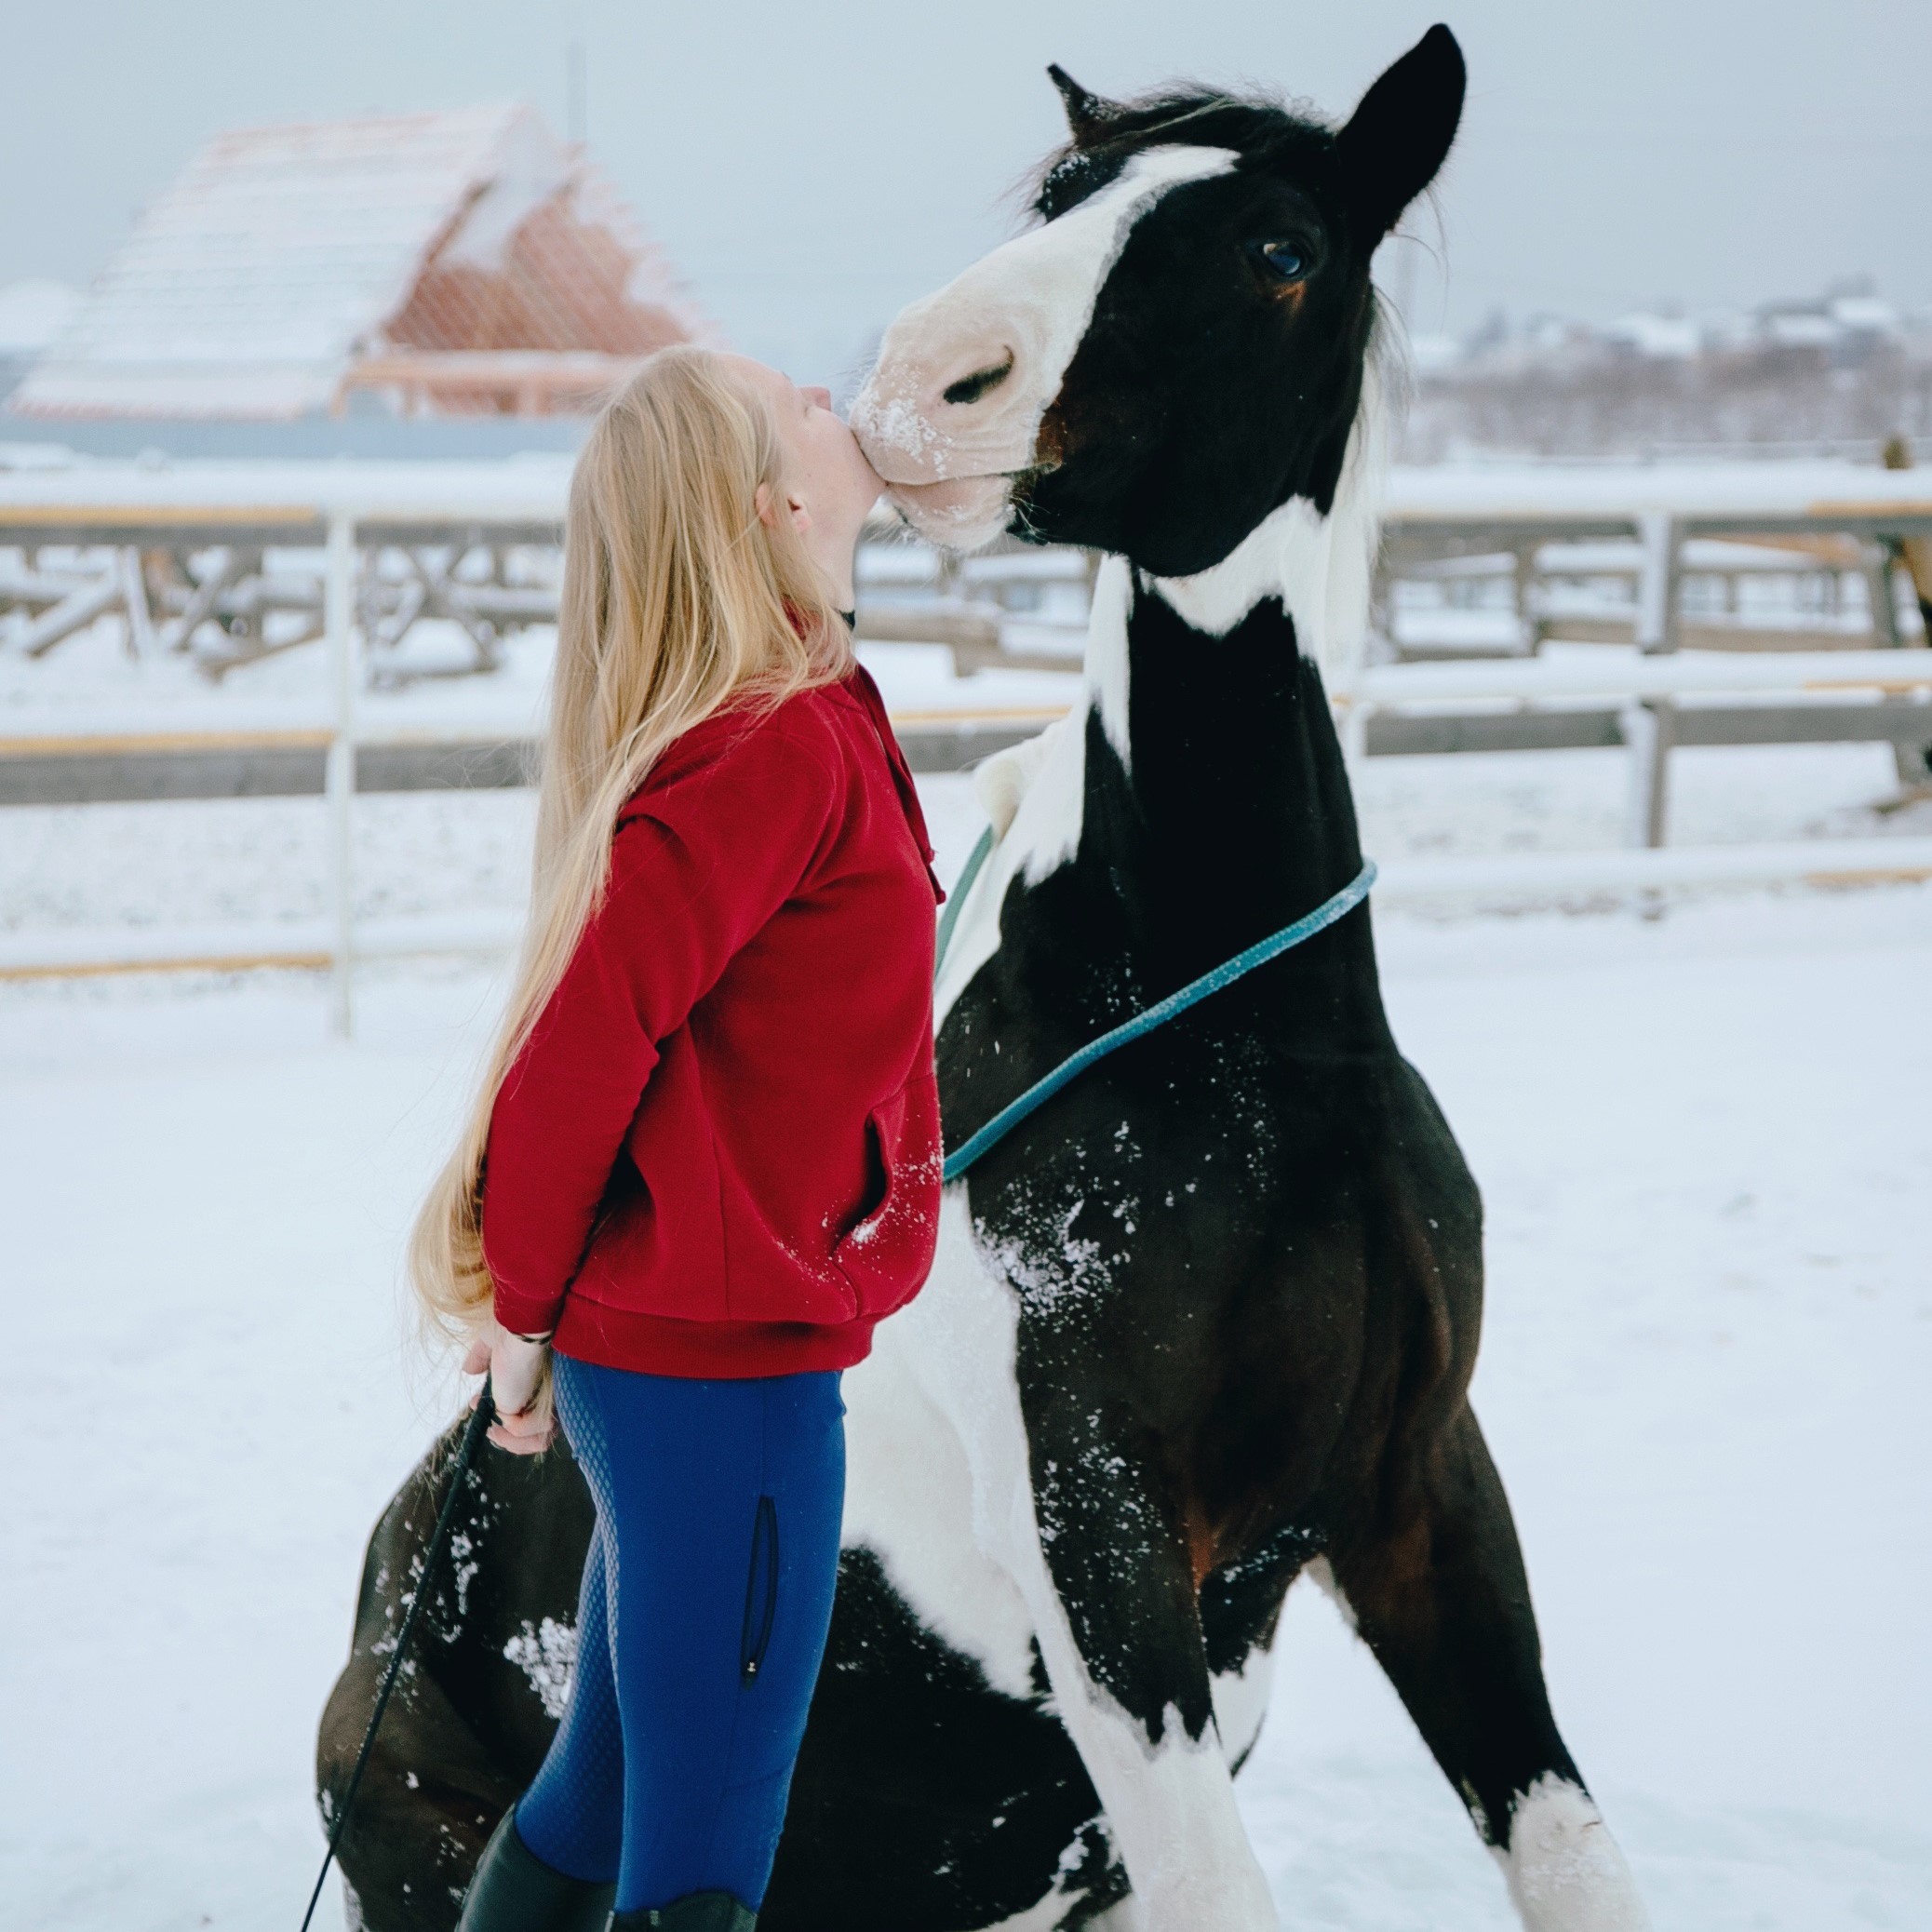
(810, 167)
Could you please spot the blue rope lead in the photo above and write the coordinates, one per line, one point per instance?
(957, 898)
(1192, 994)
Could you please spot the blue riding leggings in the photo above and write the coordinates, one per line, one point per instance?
(706, 1597)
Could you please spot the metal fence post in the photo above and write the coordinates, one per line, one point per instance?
(340, 780)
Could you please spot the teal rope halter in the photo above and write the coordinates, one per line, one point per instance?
(1192, 994)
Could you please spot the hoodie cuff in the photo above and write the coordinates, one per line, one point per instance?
(524, 1314)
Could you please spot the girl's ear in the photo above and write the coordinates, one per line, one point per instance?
(766, 503)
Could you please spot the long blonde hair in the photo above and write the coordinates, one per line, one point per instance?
(677, 597)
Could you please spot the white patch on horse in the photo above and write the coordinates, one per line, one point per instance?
(1038, 787)
(1043, 1915)
(1050, 1910)
(1172, 1807)
(1033, 794)
(1565, 1871)
(1320, 567)
(1241, 1701)
(1171, 1803)
(939, 1444)
(547, 1655)
(910, 1482)
(1104, 667)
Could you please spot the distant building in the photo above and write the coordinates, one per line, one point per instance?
(463, 262)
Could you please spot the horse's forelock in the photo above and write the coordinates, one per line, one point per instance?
(1183, 113)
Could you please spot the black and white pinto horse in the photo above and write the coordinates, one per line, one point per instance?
(1206, 1321)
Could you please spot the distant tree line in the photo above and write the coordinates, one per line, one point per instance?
(1602, 398)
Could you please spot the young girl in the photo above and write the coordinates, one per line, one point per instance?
(706, 1159)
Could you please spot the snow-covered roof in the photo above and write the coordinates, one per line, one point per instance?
(281, 254)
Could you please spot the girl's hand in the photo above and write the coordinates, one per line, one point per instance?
(520, 1383)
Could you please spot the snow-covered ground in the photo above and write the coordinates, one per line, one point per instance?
(1702, 1140)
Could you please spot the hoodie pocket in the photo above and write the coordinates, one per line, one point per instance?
(760, 1592)
(886, 1255)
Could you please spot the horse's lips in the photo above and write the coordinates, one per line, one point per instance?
(954, 502)
(953, 492)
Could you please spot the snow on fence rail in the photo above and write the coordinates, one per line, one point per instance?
(1619, 675)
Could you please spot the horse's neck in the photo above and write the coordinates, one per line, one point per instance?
(1222, 804)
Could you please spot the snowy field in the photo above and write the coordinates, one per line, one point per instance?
(1704, 1144)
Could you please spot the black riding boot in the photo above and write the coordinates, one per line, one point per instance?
(515, 1891)
(696, 1912)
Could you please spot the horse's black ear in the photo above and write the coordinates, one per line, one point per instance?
(1087, 115)
(1399, 134)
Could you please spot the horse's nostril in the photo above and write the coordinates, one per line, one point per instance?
(982, 381)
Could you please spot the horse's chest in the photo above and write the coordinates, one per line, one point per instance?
(1182, 1163)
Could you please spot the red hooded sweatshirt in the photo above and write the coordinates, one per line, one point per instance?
(720, 1153)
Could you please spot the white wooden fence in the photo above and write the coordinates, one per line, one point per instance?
(345, 507)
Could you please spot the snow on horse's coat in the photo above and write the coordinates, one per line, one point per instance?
(1206, 1321)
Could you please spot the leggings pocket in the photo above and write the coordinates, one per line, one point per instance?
(760, 1592)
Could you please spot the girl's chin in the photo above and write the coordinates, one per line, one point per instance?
(959, 513)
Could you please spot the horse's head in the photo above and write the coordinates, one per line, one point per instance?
(1178, 348)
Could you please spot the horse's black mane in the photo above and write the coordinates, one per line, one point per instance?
(1256, 124)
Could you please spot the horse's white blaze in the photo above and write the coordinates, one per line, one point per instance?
(1028, 304)
(1565, 1871)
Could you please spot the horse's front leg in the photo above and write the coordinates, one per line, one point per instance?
(1114, 1602)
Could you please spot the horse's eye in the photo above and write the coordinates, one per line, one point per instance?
(1287, 260)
